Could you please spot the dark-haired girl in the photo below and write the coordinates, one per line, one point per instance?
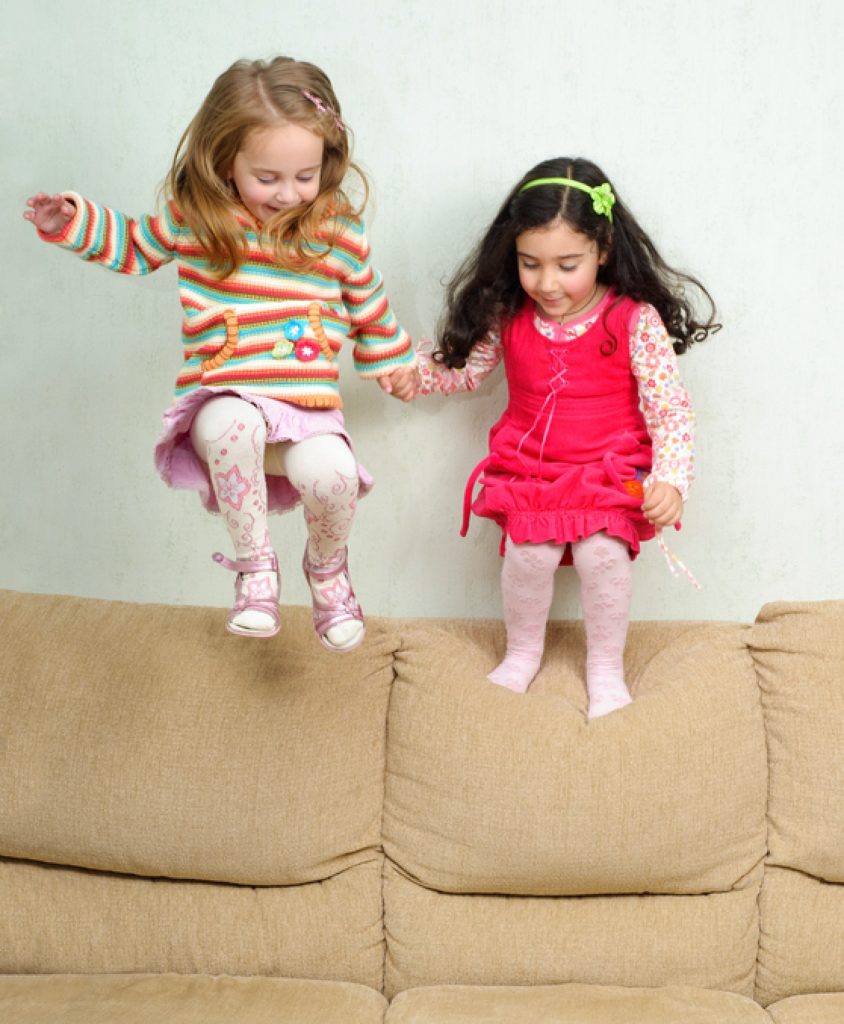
(594, 452)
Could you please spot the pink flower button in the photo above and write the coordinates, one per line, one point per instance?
(307, 350)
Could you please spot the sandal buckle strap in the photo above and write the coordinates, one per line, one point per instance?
(269, 564)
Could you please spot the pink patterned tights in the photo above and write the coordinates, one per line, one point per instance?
(527, 586)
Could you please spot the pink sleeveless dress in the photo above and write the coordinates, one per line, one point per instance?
(567, 457)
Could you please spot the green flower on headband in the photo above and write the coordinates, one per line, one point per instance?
(603, 200)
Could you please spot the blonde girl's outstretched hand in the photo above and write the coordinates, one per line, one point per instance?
(663, 505)
(403, 383)
(49, 213)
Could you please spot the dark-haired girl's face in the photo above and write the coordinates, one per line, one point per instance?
(558, 269)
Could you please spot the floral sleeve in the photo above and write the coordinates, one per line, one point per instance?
(665, 402)
(439, 379)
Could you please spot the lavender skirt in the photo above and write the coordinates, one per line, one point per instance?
(179, 466)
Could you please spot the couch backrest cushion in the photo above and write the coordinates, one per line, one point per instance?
(145, 739)
(517, 796)
(798, 649)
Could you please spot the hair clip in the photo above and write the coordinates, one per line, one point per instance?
(324, 108)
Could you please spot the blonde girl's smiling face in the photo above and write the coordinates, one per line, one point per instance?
(558, 269)
(277, 168)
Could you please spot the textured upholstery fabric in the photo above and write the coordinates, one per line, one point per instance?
(164, 746)
(827, 1008)
(657, 813)
(79, 922)
(187, 819)
(439, 939)
(798, 650)
(493, 792)
(801, 948)
(572, 1004)
(175, 799)
(179, 999)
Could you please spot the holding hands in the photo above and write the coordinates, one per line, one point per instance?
(49, 213)
(403, 383)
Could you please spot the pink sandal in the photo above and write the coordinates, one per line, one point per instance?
(342, 604)
(256, 597)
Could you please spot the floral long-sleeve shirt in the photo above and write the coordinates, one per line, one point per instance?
(665, 403)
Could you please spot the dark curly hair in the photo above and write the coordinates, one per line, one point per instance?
(486, 289)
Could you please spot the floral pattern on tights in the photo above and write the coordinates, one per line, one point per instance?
(329, 507)
(236, 458)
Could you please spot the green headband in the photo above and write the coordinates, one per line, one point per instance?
(603, 199)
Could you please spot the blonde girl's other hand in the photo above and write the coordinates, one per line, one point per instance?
(49, 213)
(403, 383)
(663, 505)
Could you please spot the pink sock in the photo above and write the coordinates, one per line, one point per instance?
(527, 587)
(606, 587)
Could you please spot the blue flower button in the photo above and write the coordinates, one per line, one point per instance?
(294, 330)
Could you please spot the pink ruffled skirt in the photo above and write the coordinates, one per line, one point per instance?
(575, 501)
(179, 466)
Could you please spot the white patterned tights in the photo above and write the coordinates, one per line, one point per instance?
(230, 435)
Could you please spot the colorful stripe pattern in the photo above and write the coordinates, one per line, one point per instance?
(277, 352)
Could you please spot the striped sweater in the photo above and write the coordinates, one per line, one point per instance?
(265, 329)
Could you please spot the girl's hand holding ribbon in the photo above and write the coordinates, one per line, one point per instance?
(663, 505)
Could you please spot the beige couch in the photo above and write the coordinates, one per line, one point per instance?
(197, 829)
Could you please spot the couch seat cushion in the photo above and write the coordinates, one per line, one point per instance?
(184, 999)
(572, 1004)
(821, 1009)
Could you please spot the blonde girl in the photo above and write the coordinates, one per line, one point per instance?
(274, 276)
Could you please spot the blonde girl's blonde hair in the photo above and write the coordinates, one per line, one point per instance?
(253, 96)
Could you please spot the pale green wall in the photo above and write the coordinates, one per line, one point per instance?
(720, 122)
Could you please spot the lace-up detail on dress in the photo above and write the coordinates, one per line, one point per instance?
(556, 384)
